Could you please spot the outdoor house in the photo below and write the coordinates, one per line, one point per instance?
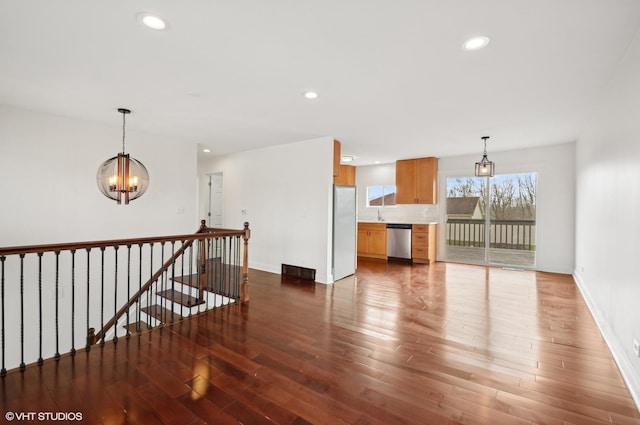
(464, 208)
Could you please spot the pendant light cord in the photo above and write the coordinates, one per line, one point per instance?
(123, 130)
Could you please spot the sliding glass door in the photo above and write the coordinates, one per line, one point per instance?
(491, 220)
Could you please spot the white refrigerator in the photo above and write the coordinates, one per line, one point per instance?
(345, 232)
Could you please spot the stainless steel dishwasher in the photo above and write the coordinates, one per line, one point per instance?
(399, 241)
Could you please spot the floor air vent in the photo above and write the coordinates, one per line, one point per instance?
(299, 272)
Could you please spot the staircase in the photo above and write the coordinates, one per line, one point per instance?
(173, 299)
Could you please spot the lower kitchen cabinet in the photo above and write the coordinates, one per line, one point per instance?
(372, 240)
(423, 243)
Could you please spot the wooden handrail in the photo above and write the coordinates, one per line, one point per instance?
(70, 246)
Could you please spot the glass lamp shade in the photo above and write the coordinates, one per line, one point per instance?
(485, 168)
(122, 178)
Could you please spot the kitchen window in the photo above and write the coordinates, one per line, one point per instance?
(381, 196)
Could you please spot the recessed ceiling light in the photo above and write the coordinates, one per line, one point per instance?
(475, 43)
(310, 94)
(205, 150)
(153, 22)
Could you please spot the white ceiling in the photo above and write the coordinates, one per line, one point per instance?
(392, 79)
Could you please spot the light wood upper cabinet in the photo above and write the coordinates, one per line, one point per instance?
(347, 175)
(336, 158)
(406, 181)
(342, 174)
(417, 181)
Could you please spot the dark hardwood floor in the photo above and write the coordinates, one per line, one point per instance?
(395, 344)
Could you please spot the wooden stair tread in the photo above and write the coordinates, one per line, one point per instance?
(188, 280)
(220, 278)
(162, 314)
(213, 265)
(180, 298)
(133, 327)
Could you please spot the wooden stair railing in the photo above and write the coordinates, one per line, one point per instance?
(94, 337)
(48, 289)
(246, 235)
(203, 230)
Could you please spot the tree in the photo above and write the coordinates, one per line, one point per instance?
(466, 188)
(502, 199)
(512, 197)
(527, 194)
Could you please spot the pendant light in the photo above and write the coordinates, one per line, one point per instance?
(485, 167)
(123, 178)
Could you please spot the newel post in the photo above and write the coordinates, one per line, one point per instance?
(244, 289)
(202, 266)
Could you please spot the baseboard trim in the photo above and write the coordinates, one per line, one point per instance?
(619, 356)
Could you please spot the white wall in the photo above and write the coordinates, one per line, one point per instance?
(48, 168)
(286, 191)
(555, 202)
(608, 214)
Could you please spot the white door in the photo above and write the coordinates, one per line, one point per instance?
(215, 205)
